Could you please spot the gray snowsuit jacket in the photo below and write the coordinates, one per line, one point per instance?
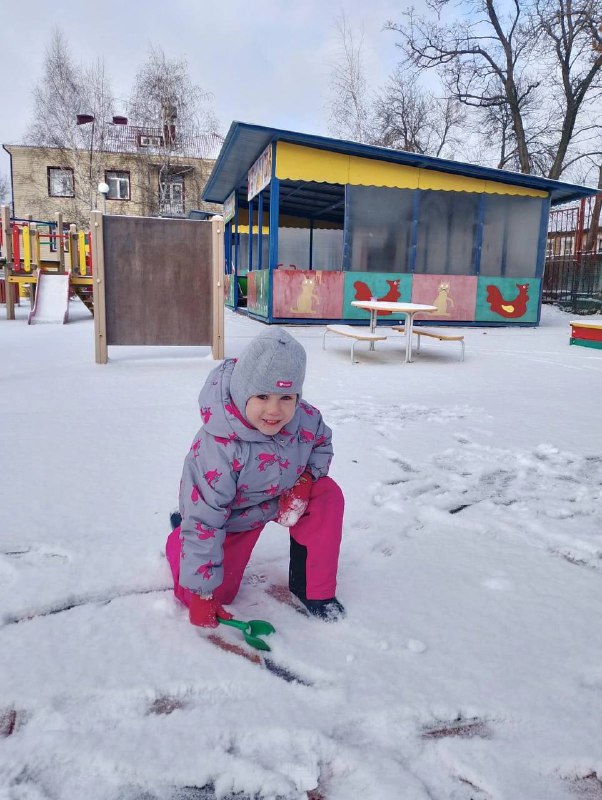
(234, 474)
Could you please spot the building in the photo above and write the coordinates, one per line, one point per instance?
(314, 223)
(147, 172)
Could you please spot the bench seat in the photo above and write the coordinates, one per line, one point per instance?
(357, 333)
(443, 337)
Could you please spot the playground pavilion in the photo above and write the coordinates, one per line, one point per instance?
(313, 223)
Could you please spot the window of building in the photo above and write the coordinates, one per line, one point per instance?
(566, 246)
(150, 141)
(60, 182)
(119, 185)
(172, 195)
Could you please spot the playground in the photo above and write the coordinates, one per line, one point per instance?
(469, 664)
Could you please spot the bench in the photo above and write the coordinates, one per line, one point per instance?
(586, 334)
(443, 337)
(357, 333)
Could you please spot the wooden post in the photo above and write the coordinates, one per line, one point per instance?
(81, 248)
(217, 255)
(35, 248)
(60, 244)
(8, 254)
(73, 248)
(98, 289)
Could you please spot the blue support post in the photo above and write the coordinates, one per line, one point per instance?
(250, 243)
(260, 230)
(541, 248)
(274, 214)
(311, 243)
(236, 252)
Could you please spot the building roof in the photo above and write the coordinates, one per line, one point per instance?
(144, 141)
(244, 143)
(150, 141)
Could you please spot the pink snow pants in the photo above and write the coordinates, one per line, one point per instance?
(315, 544)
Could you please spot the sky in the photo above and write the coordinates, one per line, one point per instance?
(468, 667)
(266, 62)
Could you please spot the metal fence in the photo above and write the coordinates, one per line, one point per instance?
(573, 268)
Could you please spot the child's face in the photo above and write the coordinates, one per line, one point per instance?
(269, 413)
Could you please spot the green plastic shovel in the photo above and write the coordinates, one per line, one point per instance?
(252, 630)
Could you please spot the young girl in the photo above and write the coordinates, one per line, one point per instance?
(262, 454)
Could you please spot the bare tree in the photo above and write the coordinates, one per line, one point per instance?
(178, 116)
(5, 193)
(527, 72)
(407, 117)
(64, 91)
(570, 45)
(350, 104)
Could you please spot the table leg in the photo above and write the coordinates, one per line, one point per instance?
(408, 326)
(372, 325)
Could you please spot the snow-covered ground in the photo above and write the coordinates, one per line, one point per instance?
(470, 663)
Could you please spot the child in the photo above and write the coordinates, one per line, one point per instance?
(262, 454)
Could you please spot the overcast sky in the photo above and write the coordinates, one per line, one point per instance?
(265, 61)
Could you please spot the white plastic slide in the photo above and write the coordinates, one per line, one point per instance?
(52, 299)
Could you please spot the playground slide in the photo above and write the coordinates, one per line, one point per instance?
(52, 299)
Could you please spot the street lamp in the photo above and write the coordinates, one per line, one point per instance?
(104, 189)
(85, 119)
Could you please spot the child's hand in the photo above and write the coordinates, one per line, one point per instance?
(205, 610)
(293, 503)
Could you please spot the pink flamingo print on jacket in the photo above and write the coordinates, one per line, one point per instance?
(205, 570)
(212, 476)
(266, 460)
(305, 435)
(222, 440)
(204, 532)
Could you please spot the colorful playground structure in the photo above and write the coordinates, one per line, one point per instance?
(48, 261)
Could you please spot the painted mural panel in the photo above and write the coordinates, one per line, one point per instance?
(507, 299)
(454, 295)
(258, 285)
(388, 286)
(308, 294)
(229, 290)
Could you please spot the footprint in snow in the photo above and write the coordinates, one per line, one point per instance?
(32, 554)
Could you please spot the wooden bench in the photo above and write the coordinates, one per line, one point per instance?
(357, 333)
(443, 337)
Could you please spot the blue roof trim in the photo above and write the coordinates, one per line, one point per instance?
(244, 143)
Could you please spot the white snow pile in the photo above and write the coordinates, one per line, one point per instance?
(469, 665)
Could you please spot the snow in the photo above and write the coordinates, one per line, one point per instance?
(471, 569)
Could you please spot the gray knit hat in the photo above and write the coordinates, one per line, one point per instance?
(273, 363)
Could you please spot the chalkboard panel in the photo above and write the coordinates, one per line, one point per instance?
(158, 281)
